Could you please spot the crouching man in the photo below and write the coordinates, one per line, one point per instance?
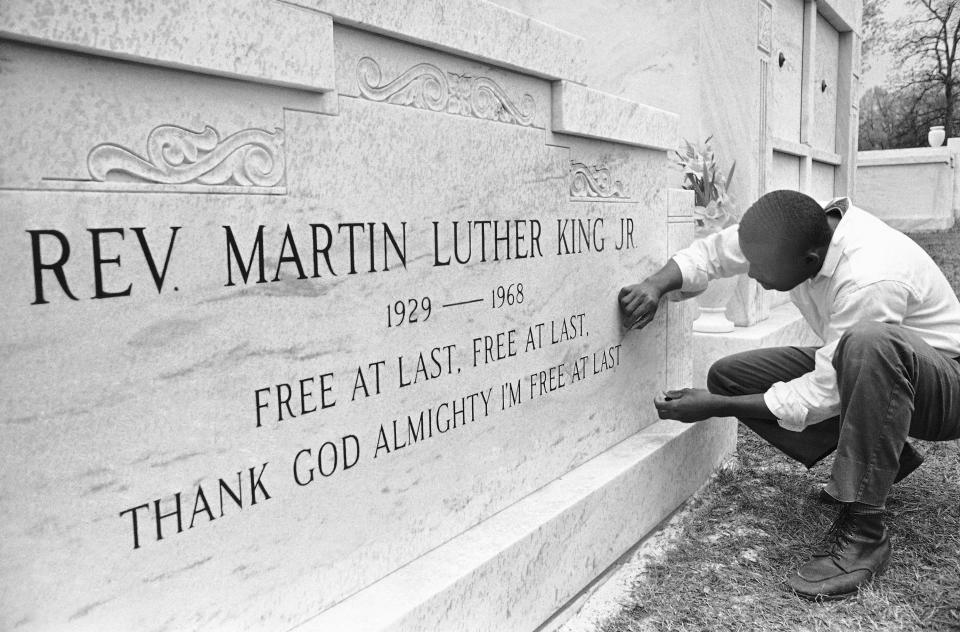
(889, 368)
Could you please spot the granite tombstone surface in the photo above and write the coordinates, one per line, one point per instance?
(274, 330)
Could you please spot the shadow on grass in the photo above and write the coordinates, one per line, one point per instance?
(757, 522)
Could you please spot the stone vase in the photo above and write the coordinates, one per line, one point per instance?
(713, 302)
(936, 135)
(713, 307)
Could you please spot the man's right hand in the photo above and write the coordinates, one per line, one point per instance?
(638, 304)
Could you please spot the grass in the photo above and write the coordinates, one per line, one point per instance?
(944, 248)
(758, 520)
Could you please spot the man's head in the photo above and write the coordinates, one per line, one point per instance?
(784, 235)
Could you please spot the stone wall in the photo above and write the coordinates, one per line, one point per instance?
(309, 319)
(911, 189)
(773, 82)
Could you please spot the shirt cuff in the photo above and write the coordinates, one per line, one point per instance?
(689, 272)
(790, 414)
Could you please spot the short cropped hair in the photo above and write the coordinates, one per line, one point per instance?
(788, 219)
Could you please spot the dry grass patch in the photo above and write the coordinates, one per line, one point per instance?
(944, 248)
(759, 519)
(757, 522)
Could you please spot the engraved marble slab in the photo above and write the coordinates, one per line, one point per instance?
(224, 411)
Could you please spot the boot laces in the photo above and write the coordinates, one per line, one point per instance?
(841, 532)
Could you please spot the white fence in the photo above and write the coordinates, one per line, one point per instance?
(911, 189)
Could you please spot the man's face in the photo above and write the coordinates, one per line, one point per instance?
(776, 268)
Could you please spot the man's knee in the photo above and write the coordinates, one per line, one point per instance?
(721, 376)
(864, 339)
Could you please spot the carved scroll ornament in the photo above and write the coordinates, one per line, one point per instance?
(427, 87)
(175, 155)
(594, 182)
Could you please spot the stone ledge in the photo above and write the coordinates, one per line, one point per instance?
(824, 156)
(582, 111)
(517, 568)
(910, 156)
(784, 327)
(843, 15)
(474, 28)
(790, 147)
(802, 150)
(253, 40)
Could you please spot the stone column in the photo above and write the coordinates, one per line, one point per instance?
(680, 314)
(953, 144)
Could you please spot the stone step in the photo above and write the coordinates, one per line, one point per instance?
(516, 569)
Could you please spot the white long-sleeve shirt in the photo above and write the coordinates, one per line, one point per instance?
(871, 272)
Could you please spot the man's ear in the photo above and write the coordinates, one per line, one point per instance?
(812, 257)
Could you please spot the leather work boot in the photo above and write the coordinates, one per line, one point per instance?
(855, 550)
(910, 460)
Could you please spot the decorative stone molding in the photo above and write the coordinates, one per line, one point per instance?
(176, 155)
(580, 111)
(427, 87)
(764, 26)
(474, 29)
(594, 182)
(252, 40)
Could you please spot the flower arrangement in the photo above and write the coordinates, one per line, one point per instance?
(701, 174)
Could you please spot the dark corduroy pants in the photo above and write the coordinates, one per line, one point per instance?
(892, 386)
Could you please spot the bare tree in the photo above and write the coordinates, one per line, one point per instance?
(925, 45)
(875, 30)
(888, 118)
(877, 119)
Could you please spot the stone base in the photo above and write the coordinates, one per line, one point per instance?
(516, 569)
(784, 327)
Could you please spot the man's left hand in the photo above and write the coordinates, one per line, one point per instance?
(687, 404)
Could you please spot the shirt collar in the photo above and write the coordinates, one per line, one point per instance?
(835, 249)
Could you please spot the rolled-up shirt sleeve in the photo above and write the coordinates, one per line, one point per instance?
(712, 257)
(814, 396)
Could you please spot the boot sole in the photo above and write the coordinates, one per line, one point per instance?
(839, 596)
